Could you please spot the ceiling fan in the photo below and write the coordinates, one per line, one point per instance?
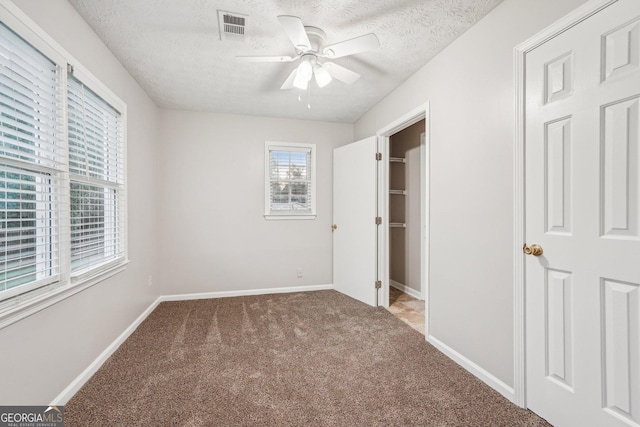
(308, 42)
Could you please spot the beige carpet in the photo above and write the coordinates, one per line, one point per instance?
(300, 359)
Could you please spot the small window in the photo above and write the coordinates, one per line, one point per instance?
(290, 184)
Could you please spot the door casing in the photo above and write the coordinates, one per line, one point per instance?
(585, 11)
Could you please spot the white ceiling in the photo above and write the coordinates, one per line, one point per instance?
(173, 49)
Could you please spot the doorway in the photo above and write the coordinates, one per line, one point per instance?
(403, 200)
(406, 299)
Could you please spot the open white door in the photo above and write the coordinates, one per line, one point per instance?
(354, 213)
(582, 197)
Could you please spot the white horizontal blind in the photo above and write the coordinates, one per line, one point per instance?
(31, 156)
(95, 135)
(30, 105)
(290, 179)
(96, 170)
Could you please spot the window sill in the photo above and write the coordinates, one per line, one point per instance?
(96, 271)
(20, 307)
(270, 217)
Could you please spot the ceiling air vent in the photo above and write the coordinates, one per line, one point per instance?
(232, 25)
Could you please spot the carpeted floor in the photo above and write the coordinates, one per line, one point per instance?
(300, 359)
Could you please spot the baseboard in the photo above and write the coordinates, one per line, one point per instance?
(227, 294)
(81, 379)
(476, 370)
(407, 290)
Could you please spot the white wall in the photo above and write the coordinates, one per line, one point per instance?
(42, 354)
(212, 232)
(470, 89)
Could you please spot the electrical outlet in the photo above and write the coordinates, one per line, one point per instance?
(150, 280)
(299, 272)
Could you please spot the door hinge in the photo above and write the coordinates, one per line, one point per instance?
(378, 284)
(378, 220)
(378, 156)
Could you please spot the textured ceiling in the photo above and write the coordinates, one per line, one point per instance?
(173, 49)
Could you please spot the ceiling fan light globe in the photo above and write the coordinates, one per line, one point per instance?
(300, 81)
(323, 77)
(305, 70)
(301, 85)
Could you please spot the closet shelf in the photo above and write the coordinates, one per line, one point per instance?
(396, 160)
(397, 225)
(399, 192)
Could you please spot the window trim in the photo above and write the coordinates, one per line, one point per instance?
(16, 308)
(288, 214)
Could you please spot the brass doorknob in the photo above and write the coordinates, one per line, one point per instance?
(535, 249)
(333, 227)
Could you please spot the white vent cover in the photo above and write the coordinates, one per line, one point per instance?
(232, 25)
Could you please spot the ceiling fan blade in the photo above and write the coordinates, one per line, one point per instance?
(351, 47)
(288, 84)
(282, 58)
(295, 31)
(340, 73)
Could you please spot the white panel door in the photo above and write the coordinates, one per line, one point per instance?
(583, 208)
(354, 213)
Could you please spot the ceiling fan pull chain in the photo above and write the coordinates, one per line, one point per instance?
(309, 96)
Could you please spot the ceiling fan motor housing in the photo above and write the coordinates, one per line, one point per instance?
(316, 38)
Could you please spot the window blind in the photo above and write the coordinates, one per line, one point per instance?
(290, 179)
(30, 105)
(95, 135)
(31, 157)
(96, 170)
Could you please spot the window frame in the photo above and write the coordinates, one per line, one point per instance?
(290, 214)
(16, 307)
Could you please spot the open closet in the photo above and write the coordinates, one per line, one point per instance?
(405, 201)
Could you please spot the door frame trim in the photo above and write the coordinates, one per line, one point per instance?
(383, 135)
(572, 19)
